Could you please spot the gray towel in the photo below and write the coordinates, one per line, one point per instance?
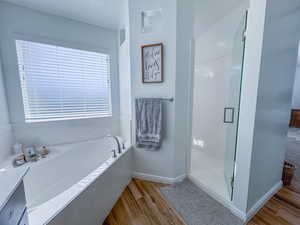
(148, 123)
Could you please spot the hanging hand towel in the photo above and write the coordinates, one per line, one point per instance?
(148, 123)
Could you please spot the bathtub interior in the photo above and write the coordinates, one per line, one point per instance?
(65, 166)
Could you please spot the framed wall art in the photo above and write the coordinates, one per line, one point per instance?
(152, 63)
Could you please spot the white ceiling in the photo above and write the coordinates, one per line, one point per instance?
(104, 13)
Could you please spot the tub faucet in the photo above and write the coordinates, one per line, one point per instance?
(118, 143)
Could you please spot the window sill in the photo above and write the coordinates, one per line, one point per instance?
(64, 119)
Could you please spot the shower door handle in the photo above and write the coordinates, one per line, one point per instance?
(228, 115)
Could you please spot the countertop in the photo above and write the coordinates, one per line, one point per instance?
(10, 179)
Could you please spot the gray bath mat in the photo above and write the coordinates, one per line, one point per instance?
(196, 207)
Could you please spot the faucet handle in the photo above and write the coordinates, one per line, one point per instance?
(114, 153)
(123, 145)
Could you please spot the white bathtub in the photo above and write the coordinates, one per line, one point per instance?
(77, 183)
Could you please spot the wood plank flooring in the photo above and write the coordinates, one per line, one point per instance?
(282, 209)
(143, 204)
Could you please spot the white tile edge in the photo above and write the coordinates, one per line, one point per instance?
(262, 201)
(159, 179)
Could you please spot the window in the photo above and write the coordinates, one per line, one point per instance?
(62, 83)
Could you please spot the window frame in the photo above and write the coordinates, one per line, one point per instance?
(19, 115)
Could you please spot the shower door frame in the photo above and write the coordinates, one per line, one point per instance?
(239, 104)
(190, 112)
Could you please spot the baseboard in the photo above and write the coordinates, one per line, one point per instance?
(238, 213)
(263, 200)
(159, 179)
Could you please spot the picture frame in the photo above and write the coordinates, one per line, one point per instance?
(152, 63)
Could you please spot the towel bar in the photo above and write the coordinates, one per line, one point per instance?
(167, 99)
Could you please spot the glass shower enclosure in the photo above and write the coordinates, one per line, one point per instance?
(219, 54)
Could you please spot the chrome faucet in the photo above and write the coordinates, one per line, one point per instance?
(118, 143)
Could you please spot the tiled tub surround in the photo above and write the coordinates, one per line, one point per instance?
(77, 183)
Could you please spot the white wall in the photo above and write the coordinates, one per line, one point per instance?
(32, 25)
(175, 33)
(296, 89)
(6, 136)
(270, 61)
(125, 76)
(278, 64)
(160, 163)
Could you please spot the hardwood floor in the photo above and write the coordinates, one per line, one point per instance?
(282, 209)
(142, 204)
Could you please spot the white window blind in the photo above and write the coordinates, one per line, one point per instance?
(62, 83)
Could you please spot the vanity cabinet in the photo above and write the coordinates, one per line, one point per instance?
(14, 212)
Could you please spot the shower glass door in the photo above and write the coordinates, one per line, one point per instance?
(231, 109)
(217, 81)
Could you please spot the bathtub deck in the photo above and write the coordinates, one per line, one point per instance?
(143, 204)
